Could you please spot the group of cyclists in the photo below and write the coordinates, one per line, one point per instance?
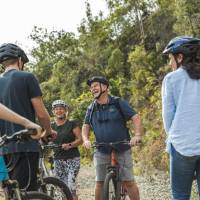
(107, 117)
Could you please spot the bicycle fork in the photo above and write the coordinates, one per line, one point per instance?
(114, 168)
(11, 189)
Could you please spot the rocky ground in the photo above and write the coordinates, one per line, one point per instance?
(151, 188)
(154, 187)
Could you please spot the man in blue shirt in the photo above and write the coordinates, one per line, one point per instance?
(181, 114)
(107, 117)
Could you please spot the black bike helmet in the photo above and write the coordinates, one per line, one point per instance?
(8, 51)
(182, 44)
(99, 79)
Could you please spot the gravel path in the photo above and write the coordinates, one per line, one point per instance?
(151, 188)
(154, 187)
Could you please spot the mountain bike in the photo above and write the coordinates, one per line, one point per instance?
(11, 187)
(48, 183)
(113, 188)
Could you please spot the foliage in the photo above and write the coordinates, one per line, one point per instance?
(126, 47)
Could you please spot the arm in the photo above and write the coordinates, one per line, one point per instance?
(9, 115)
(35, 95)
(76, 142)
(42, 114)
(86, 129)
(168, 104)
(137, 130)
(85, 135)
(130, 114)
(137, 125)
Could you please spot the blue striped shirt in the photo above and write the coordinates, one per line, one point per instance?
(181, 112)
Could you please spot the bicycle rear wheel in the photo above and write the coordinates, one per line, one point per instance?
(36, 196)
(111, 188)
(56, 188)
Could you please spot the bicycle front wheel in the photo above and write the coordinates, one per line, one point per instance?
(56, 188)
(36, 196)
(111, 188)
(124, 195)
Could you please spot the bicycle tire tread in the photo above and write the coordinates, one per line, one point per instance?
(57, 182)
(37, 196)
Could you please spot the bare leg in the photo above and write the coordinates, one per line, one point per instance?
(75, 197)
(99, 190)
(132, 190)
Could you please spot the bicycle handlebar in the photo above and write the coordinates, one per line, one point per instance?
(111, 144)
(19, 135)
(51, 146)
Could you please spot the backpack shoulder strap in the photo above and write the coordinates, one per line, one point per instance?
(91, 108)
(118, 106)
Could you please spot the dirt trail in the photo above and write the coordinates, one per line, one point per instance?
(152, 188)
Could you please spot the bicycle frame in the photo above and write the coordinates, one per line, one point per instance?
(46, 176)
(11, 187)
(43, 171)
(42, 167)
(114, 165)
(114, 170)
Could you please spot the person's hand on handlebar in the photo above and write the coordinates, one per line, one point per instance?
(66, 146)
(49, 136)
(30, 125)
(87, 144)
(135, 140)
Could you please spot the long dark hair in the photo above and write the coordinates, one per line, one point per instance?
(191, 63)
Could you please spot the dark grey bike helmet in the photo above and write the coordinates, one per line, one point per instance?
(182, 44)
(8, 51)
(99, 79)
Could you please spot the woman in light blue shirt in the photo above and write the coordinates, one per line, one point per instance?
(181, 114)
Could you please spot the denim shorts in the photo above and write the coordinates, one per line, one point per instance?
(102, 161)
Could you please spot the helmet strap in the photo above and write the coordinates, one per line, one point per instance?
(22, 67)
(63, 117)
(101, 92)
(177, 63)
(20, 64)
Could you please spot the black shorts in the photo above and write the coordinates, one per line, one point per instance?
(23, 167)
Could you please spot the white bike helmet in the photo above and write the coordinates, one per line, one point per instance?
(59, 103)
